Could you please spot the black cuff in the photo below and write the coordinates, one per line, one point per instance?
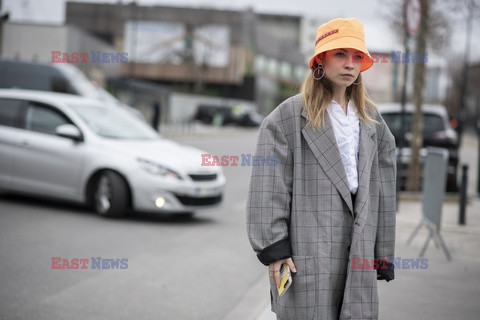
(276, 251)
(386, 272)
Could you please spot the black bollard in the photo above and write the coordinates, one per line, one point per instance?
(463, 195)
(157, 115)
(399, 178)
(478, 156)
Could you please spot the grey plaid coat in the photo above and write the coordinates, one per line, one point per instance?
(302, 208)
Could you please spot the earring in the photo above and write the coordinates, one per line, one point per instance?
(317, 70)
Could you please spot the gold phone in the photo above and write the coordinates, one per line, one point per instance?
(285, 279)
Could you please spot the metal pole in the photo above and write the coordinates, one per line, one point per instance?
(463, 112)
(134, 30)
(477, 129)
(1, 27)
(477, 124)
(402, 142)
(463, 195)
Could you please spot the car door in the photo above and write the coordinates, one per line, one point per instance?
(9, 137)
(46, 163)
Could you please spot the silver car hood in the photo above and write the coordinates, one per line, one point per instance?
(181, 158)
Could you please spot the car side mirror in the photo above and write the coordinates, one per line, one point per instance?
(69, 131)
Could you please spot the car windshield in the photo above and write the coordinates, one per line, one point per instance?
(113, 122)
(432, 123)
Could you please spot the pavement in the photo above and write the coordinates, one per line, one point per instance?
(189, 130)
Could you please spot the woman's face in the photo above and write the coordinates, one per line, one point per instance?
(342, 66)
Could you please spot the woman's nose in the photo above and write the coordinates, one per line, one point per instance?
(349, 62)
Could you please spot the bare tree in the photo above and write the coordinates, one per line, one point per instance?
(435, 35)
(416, 143)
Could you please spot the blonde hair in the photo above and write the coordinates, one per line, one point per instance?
(317, 95)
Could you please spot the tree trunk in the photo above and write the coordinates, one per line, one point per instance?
(416, 143)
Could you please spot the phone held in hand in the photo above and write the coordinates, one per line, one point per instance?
(285, 279)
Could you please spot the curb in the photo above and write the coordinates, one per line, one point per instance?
(253, 303)
(199, 131)
(449, 197)
(267, 314)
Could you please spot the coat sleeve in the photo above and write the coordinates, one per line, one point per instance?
(385, 241)
(269, 198)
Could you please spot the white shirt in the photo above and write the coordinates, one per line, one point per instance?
(347, 134)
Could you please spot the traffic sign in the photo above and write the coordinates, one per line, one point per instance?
(413, 15)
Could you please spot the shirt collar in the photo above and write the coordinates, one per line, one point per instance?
(335, 107)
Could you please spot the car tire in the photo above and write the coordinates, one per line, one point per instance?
(110, 196)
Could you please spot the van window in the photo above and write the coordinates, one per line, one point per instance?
(9, 112)
(33, 76)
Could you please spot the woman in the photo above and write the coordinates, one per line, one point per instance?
(327, 208)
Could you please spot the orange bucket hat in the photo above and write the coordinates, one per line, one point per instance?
(342, 33)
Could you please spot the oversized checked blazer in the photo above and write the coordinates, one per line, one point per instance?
(302, 208)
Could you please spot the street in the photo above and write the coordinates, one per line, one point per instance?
(178, 268)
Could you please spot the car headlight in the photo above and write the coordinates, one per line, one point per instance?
(155, 168)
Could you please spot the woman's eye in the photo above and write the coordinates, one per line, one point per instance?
(359, 57)
(340, 54)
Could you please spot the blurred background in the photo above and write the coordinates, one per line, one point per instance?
(203, 74)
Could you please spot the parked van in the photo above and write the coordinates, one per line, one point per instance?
(62, 78)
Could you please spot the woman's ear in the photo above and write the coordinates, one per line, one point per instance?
(318, 59)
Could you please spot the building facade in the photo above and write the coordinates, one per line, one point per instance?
(230, 54)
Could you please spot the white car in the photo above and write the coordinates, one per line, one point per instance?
(75, 148)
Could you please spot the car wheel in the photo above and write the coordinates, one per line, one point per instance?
(110, 195)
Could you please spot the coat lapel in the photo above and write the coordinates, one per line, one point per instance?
(366, 151)
(324, 147)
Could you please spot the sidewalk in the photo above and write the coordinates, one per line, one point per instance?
(445, 290)
(195, 130)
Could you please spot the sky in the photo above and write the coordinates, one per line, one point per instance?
(378, 36)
